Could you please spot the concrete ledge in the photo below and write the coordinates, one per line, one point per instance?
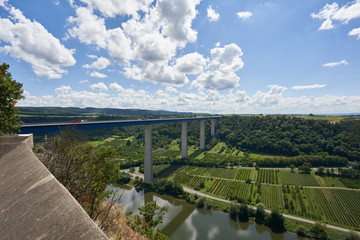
(33, 204)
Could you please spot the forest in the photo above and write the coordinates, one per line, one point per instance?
(291, 136)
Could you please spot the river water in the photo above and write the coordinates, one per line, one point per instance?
(184, 221)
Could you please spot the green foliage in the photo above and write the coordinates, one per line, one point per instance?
(291, 136)
(233, 209)
(276, 221)
(10, 93)
(243, 212)
(300, 231)
(168, 187)
(149, 217)
(201, 202)
(124, 178)
(84, 170)
(352, 235)
(317, 231)
(260, 214)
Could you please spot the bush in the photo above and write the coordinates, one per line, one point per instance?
(124, 178)
(276, 221)
(233, 209)
(260, 214)
(318, 231)
(352, 235)
(200, 203)
(300, 231)
(248, 180)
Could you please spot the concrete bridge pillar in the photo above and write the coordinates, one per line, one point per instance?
(202, 134)
(184, 151)
(213, 127)
(148, 163)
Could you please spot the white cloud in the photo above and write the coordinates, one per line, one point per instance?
(355, 32)
(244, 15)
(62, 89)
(157, 73)
(271, 101)
(116, 87)
(100, 86)
(84, 81)
(91, 56)
(112, 8)
(148, 41)
(332, 12)
(334, 64)
(98, 75)
(192, 63)
(171, 89)
(100, 63)
(212, 14)
(326, 25)
(57, 3)
(31, 42)
(3, 3)
(88, 28)
(308, 86)
(220, 74)
(217, 44)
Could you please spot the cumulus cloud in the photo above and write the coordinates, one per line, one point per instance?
(98, 75)
(308, 86)
(220, 74)
(31, 42)
(147, 40)
(334, 64)
(116, 87)
(157, 73)
(271, 101)
(212, 14)
(191, 63)
(332, 12)
(100, 63)
(100, 86)
(244, 15)
(355, 32)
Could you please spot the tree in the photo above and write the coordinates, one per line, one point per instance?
(260, 214)
(276, 221)
(145, 222)
(318, 231)
(320, 170)
(243, 213)
(292, 166)
(10, 93)
(233, 209)
(84, 170)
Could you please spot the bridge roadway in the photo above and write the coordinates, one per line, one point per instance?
(148, 163)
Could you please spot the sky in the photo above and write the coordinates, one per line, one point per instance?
(206, 56)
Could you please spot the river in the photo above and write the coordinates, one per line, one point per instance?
(184, 221)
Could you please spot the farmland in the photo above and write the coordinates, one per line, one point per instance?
(310, 196)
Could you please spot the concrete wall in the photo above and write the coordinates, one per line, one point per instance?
(33, 204)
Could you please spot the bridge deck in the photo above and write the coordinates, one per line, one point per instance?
(54, 127)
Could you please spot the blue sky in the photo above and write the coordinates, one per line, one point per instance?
(230, 56)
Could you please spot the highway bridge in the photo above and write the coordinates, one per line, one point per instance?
(148, 163)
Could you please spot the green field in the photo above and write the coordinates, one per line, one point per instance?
(309, 196)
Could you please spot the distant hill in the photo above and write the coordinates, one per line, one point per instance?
(73, 111)
(61, 114)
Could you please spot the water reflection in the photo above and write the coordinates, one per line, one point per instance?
(185, 221)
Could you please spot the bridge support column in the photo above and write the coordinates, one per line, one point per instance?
(148, 163)
(213, 127)
(184, 151)
(202, 134)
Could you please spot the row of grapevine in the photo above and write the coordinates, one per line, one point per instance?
(228, 173)
(195, 181)
(330, 182)
(271, 197)
(351, 183)
(290, 178)
(226, 189)
(336, 205)
(243, 174)
(268, 176)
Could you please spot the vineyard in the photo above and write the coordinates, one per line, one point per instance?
(292, 193)
(268, 176)
(298, 179)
